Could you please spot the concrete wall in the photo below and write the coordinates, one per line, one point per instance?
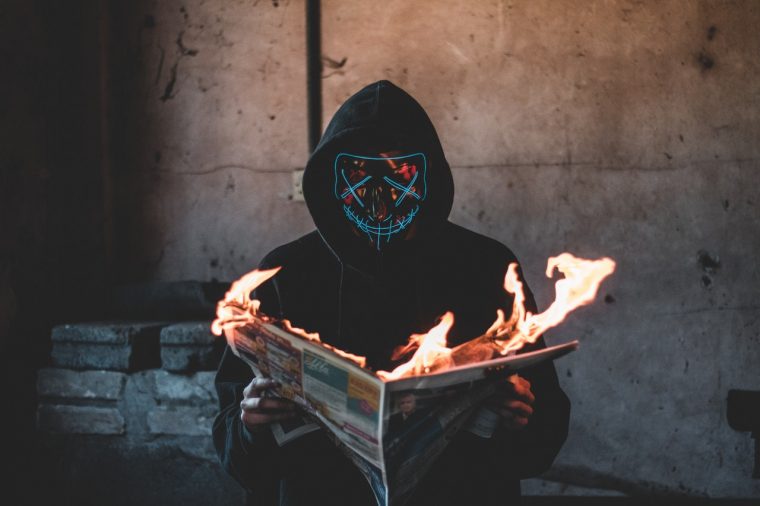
(619, 128)
(210, 112)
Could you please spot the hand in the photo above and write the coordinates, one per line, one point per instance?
(515, 403)
(258, 411)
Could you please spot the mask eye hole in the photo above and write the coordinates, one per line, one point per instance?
(353, 183)
(406, 188)
(356, 174)
(405, 172)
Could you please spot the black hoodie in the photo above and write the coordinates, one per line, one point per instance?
(369, 302)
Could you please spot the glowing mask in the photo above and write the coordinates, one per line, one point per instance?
(381, 195)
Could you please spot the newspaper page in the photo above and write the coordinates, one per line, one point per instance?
(336, 393)
(423, 413)
(392, 431)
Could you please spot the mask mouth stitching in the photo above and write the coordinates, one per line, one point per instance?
(376, 232)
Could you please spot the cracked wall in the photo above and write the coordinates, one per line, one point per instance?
(624, 128)
(211, 119)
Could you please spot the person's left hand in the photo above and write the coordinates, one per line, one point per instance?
(514, 404)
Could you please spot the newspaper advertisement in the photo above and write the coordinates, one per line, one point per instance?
(391, 430)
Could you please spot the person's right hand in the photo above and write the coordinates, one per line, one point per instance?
(258, 411)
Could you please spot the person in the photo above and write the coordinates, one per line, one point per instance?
(406, 414)
(383, 263)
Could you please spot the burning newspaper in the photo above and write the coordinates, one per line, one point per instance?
(394, 424)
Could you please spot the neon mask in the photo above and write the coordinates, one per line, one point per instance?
(381, 195)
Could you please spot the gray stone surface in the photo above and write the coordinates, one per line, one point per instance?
(107, 345)
(122, 471)
(65, 383)
(80, 419)
(138, 400)
(87, 356)
(105, 332)
(188, 333)
(196, 389)
(189, 358)
(181, 420)
(188, 347)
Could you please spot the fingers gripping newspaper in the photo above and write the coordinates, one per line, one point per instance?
(391, 430)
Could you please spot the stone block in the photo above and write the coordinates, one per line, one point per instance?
(181, 421)
(189, 347)
(176, 388)
(107, 345)
(80, 420)
(69, 384)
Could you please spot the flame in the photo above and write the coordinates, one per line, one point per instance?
(578, 288)
(309, 336)
(430, 350)
(237, 308)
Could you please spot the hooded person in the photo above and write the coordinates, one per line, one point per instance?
(384, 263)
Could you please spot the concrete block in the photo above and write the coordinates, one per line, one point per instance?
(107, 345)
(68, 384)
(181, 421)
(80, 420)
(188, 334)
(175, 388)
(188, 347)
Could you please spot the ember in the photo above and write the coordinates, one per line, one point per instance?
(430, 352)
(314, 336)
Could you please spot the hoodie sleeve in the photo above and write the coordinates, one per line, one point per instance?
(251, 457)
(530, 451)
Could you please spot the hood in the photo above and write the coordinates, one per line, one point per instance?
(377, 117)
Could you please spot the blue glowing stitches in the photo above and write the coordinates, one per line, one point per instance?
(352, 188)
(406, 189)
(381, 231)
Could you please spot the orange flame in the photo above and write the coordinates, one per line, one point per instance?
(578, 288)
(237, 307)
(431, 352)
